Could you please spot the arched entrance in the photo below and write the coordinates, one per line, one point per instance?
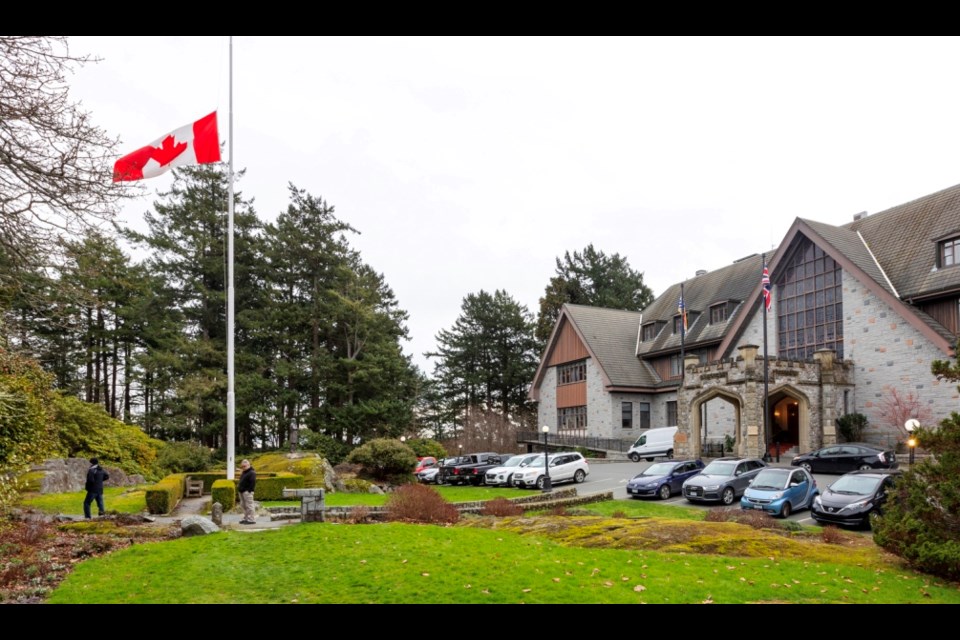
(789, 420)
(703, 428)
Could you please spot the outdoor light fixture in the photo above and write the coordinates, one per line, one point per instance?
(547, 485)
(911, 425)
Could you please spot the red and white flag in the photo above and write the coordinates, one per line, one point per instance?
(195, 143)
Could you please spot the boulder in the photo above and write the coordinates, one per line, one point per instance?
(64, 475)
(197, 526)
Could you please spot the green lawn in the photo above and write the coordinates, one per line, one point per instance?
(119, 499)
(405, 564)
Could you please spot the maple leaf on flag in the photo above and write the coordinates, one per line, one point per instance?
(168, 151)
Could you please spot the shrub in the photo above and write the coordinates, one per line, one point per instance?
(852, 426)
(359, 515)
(225, 492)
(384, 457)
(270, 487)
(335, 451)
(184, 457)
(751, 518)
(420, 503)
(163, 496)
(728, 443)
(832, 535)
(501, 507)
(424, 447)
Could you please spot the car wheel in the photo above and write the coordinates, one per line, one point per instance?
(786, 510)
(509, 480)
(865, 467)
(670, 454)
(807, 466)
(579, 476)
(727, 496)
(664, 492)
(540, 482)
(635, 457)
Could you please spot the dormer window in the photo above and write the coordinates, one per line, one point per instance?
(949, 252)
(718, 313)
(651, 330)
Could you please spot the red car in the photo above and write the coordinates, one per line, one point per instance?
(425, 462)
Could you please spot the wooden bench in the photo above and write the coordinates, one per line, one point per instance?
(194, 488)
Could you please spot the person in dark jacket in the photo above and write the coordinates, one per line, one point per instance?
(248, 482)
(94, 486)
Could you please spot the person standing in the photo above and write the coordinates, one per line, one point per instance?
(248, 482)
(94, 486)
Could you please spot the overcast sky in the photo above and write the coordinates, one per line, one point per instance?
(472, 163)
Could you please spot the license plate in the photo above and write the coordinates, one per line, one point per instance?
(694, 492)
(758, 506)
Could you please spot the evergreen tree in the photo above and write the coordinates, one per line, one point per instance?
(591, 278)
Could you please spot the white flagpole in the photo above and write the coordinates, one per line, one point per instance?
(231, 399)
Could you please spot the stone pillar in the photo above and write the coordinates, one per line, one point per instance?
(749, 354)
(828, 401)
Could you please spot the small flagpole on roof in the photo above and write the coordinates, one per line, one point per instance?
(231, 399)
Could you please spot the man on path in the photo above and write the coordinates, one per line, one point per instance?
(94, 486)
(248, 481)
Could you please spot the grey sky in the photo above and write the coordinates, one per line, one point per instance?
(471, 163)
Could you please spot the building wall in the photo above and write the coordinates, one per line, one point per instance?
(888, 353)
(753, 334)
(598, 403)
(547, 407)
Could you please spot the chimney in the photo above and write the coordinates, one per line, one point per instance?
(701, 272)
(859, 216)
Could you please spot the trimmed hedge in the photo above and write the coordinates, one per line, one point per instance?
(164, 496)
(225, 492)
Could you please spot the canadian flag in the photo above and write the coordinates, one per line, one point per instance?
(195, 143)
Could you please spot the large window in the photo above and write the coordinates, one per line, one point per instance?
(676, 366)
(718, 313)
(671, 413)
(626, 418)
(949, 252)
(643, 409)
(572, 418)
(810, 304)
(651, 330)
(571, 373)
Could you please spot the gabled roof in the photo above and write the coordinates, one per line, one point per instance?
(609, 336)
(733, 283)
(904, 241)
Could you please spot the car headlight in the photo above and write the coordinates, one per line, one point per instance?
(856, 505)
(711, 487)
(816, 501)
(776, 496)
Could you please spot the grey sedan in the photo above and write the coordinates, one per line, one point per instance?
(723, 480)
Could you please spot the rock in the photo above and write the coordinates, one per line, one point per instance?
(65, 475)
(331, 479)
(197, 526)
(375, 489)
(216, 514)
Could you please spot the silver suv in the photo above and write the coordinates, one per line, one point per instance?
(565, 466)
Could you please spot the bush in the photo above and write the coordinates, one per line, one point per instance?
(728, 443)
(424, 447)
(921, 517)
(225, 492)
(501, 507)
(335, 451)
(751, 518)
(420, 503)
(184, 457)
(852, 426)
(832, 535)
(384, 457)
(163, 496)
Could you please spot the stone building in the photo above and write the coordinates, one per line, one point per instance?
(856, 315)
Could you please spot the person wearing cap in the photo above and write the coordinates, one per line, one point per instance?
(94, 486)
(248, 482)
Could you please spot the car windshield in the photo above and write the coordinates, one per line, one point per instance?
(856, 485)
(537, 462)
(514, 461)
(720, 468)
(774, 479)
(659, 469)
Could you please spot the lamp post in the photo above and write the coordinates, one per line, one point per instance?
(911, 425)
(547, 486)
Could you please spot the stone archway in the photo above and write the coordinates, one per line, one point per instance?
(695, 444)
(790, 415)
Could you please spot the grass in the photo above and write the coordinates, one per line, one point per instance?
(555, 560)
(115, 499)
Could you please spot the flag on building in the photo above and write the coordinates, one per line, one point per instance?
(766, 287)
(195, 143)
(682, 310)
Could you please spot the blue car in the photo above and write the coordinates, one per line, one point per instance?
(663, 479)
(780, 491)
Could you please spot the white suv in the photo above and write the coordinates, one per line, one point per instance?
(565, 466)
(503, 475)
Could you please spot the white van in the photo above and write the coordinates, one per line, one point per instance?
(656, 442)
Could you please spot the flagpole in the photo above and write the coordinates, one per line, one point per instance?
(683, 333)
(231, 399)
(766, 378)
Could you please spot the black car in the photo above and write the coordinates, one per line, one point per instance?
(850, 500)
(851, 456)
(663, 479)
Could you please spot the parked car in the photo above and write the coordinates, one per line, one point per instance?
(780, 491)
(425, 462)
(653, 443)
(470, 469)
(502, 476)
(841, 458)
(852, 498)
(430, 474)
(723, 480)
(663, 479)
(564, 467)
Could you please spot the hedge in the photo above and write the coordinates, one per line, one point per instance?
(164, 496)
(225, 492)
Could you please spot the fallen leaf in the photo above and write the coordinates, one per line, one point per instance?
(730, 568)
(625, 579)
(485, 591)
(823, 590)
(556, 579)
(404, 562)
(795, 581)
(743, 579)
(639, 588)
(608, 584)
(294, 601)
(594, 572)
(363, 562)
(527, 590)
(709, 600)
(425, 575)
